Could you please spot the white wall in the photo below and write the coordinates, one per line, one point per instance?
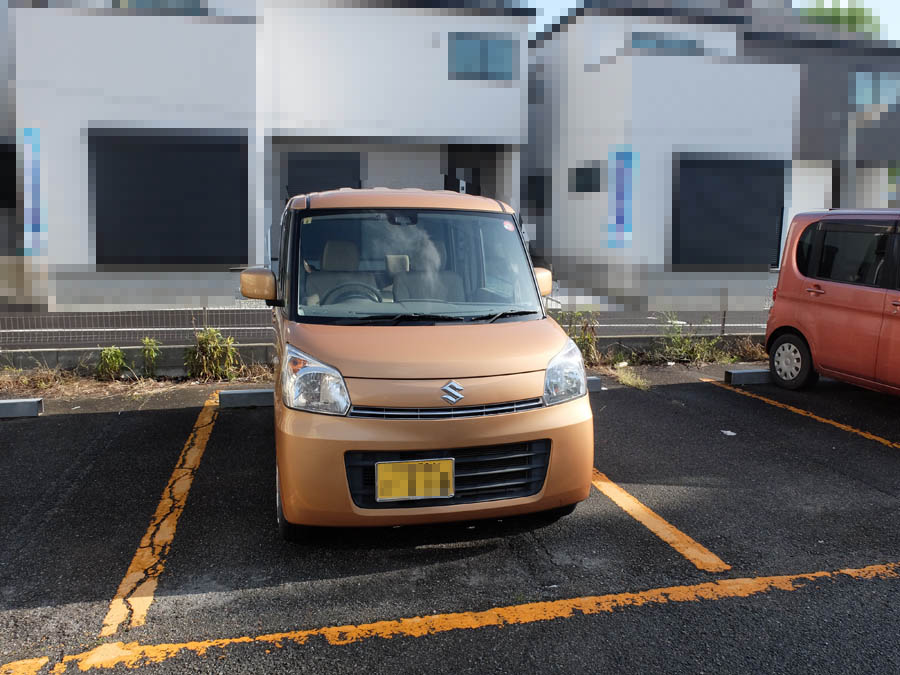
(378, 72)
(658, 105)
(77, 71)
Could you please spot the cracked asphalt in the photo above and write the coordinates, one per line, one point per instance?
(806, 515)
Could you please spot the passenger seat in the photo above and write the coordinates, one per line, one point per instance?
(340, 265)
(426, 281)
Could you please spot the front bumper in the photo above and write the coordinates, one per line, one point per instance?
(315, 490)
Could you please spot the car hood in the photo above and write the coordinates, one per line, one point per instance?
(426, 352)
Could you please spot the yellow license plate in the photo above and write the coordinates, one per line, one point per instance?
(429, 479)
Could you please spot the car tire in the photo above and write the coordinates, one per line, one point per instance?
(790, 363)
(289, 531)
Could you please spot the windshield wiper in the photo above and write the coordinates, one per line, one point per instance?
(394, 319)
(491, 318)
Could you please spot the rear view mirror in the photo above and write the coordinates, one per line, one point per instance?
(258, 283)
(545, 280)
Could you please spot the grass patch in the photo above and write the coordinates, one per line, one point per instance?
(630, 378)
(71, 383)
(680, 343)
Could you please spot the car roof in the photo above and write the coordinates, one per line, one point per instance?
(391, 198)
(857, 212)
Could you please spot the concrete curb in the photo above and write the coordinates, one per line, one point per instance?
(21, 407)
(594, 383)
(246, 398)
(754, 376)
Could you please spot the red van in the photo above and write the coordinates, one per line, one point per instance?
(836, 309)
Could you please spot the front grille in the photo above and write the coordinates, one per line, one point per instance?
(481, 474)
(445, 413)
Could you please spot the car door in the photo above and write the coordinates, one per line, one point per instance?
(847, 294)
(888, 364)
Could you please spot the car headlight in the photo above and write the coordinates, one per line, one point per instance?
(565, 379)
(307, 384)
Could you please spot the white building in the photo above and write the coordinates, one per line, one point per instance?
(171, 136)
(671, 143)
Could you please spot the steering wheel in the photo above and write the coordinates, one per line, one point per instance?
(351, 289)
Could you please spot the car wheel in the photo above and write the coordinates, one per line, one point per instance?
(791, 363)
(288, 531)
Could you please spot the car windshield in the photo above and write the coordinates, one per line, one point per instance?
(384, 266)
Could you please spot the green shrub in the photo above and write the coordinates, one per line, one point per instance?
(213, 358)
(580, 327)
(682, 344)
(150, 354)
(112, 361)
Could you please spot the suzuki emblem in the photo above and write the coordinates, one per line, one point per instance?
(452, 396)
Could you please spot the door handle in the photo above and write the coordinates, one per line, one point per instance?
(896, 303)
(817, 291)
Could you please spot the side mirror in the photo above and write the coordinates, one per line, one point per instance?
(258, 283)
(545, 280)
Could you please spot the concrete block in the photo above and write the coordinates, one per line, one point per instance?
(21, 407)
(246, 398)
(754, 376)
(594, 383)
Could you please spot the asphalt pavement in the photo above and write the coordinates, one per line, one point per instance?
(796, 493)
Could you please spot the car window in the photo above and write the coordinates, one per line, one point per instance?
(854, 255)
(804, 249)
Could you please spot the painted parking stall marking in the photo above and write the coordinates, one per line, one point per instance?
(806, 413)
(698, 554)
(135, 593)
(135, 655)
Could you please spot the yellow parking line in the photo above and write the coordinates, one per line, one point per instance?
(805, 413)
(135, 594)
(698, 554)
(135, 655)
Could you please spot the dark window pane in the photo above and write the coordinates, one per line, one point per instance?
(588, 179)
(855, 257)
(168, 200)
(804, 249)
(474, 56)
(727, 212)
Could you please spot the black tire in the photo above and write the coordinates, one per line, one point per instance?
(791, 363)
(289, 532)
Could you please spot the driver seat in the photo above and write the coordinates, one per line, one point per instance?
(340, 265)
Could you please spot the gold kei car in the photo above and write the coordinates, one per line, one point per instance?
(420, 379)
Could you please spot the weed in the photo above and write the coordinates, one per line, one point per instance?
(150, 354)
(580, 327)
(213, 358)
(111, 363)
(748, 349)
(630, 378)
(681, 344)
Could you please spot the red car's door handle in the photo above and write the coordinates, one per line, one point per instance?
(896, 303)
(817, 291)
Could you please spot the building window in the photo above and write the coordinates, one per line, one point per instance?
(872, 88)
(727, 213)
(668, 43)
(479, 56)
(591, 178)
(190, 7)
